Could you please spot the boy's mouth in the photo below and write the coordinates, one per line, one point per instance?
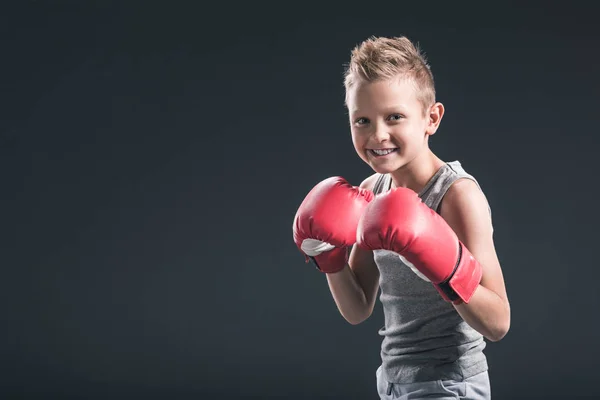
(382, 152)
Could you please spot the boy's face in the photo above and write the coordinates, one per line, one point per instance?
(389, 128)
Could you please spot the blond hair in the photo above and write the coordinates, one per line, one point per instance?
(382, 58)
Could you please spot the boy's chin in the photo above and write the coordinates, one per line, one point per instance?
(386, 168)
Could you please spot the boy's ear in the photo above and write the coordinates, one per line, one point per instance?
(434, 117)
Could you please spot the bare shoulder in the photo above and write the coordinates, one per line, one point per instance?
(466, 209)
(464, 194)
(369, 182)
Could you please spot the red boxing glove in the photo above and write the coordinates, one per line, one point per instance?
(399, 221)
(325, 224)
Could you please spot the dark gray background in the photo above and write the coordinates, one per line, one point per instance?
(153, 156)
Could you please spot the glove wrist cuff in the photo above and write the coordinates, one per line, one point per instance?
(465, 279)
(331, 261)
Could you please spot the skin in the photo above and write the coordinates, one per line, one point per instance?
(388, 115)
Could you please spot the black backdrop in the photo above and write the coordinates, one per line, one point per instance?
(154, 154)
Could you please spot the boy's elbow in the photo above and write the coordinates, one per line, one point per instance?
(500, 327)
(499, 332)
(357, 319)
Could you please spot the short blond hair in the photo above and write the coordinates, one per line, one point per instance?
(382, 58)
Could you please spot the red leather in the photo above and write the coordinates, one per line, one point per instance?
(330, 213)
(399, 221)
(467, 276)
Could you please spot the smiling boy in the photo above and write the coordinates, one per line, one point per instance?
(419, 228)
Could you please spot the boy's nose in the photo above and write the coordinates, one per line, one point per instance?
(381, 133)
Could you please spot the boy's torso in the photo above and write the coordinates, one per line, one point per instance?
(424, 338)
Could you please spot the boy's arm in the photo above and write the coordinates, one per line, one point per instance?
(466, 211)
(354, 289)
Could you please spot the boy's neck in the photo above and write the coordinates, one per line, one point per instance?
(417, 173)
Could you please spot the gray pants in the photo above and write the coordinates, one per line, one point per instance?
(474, 388)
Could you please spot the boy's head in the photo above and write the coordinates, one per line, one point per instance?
(382, 59)
(390, 97)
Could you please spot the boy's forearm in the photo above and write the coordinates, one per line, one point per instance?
(487, 313)
(348, 295)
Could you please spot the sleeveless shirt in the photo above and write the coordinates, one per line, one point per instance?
(424, 337)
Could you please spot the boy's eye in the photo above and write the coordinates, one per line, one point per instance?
(361, 121)
(395, 117)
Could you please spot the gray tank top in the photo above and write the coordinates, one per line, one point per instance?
(424, 337)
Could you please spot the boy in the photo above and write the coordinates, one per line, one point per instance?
(420, 230)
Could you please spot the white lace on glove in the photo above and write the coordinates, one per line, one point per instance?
(314, 247)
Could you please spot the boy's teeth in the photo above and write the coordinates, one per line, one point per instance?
(383, 152)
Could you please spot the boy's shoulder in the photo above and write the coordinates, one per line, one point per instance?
(464, 200)
(463, 189)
